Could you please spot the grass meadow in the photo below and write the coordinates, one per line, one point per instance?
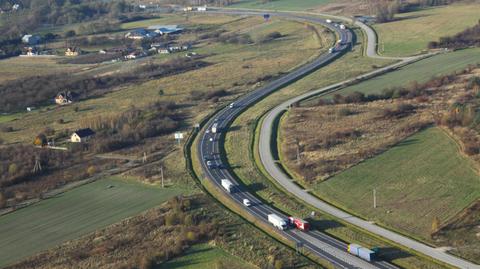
(420, 178)
(410, 32)
(75, 213)
(280, 4)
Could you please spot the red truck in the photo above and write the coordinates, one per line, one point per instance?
(299, 223)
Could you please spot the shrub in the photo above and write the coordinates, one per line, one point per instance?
(91, 170)
(7, 129)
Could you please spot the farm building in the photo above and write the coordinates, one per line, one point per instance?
(140, 34)
(81, 135)
(165, 29)
(31, 39)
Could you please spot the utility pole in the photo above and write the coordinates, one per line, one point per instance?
(298, 150)
(161, 174)
(374, 198)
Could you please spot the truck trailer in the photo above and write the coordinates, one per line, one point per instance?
(299, 224)
(214, 128)
(277, 221)
(227, 185)
(361, 252)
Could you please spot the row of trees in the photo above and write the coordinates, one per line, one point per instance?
(467, 38)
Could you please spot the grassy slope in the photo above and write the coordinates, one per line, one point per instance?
(203, 256)
(412, 32)
(422, 177)
(420, 71)
(281, 4)
(74, 213)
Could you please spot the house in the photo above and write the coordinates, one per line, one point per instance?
(202, 8)
(31, 51)
(135, 55)
(72, 51)
(81, 135)
(31, 39)
(64, 98)
(165, 29)
(163, 51)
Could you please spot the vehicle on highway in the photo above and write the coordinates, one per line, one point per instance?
(359, 251)
(331, 50)
(211, 139)
(232, 105)
(299, 223)
(227, 185)
(328, 20)
(277, 221)
(342, 27)
(210, 164)
(247, 202)
(215, 128)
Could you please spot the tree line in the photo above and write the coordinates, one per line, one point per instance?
(467, 38)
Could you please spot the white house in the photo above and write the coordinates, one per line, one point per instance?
(81, 135)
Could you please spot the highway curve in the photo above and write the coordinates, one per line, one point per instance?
(287, 183)
(209, 149)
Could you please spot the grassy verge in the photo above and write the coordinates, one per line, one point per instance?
(204, 256)
(411, 32)
(75, 213)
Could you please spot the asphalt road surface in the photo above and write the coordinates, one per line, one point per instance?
(317, 243)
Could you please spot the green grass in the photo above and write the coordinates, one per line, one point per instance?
(420, 71)
(74, 213)
(204, 256)
(421, 178)
(412, 31)
(281, 4)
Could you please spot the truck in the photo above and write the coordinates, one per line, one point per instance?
(342, 26)
(215, 128)
(277, 221)
(227, 185)
(362, 252)
(331, 50)
(299, 223)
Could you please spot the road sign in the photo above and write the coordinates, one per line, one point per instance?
(178, 135)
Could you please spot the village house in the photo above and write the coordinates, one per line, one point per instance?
(31, 51)
(140, 34)
(64, 98)
(81, 135)
(72, 51)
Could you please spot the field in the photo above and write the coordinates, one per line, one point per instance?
(412, 31)
(420, 71)
(280, 4)
(421, 178)
(73, 214)
(204, 256)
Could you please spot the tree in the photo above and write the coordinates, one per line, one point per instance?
(278, 264)
(70, 33)
(12, 169)
(40, 140)
(435, 225)
(3, 200)
(91, 170)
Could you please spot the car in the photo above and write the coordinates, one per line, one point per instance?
(209, 164)
(247, 202)
(211, 139)
(207, 131)
(232, 105)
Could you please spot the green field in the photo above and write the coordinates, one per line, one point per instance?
(412, 31)
(420, 71)
(421, 178)
(74, 213)
(281, 4)
(204, 256)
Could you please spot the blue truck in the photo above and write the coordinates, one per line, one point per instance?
(362, 252)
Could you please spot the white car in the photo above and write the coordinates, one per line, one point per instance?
(246, 202)
(211, 139)
(207, 131)
(232, 105)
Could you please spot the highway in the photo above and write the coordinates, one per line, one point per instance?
(209, 148)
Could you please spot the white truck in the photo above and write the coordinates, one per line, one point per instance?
(227, 185)
(214, 128)
(277, 221)
(342, 27)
